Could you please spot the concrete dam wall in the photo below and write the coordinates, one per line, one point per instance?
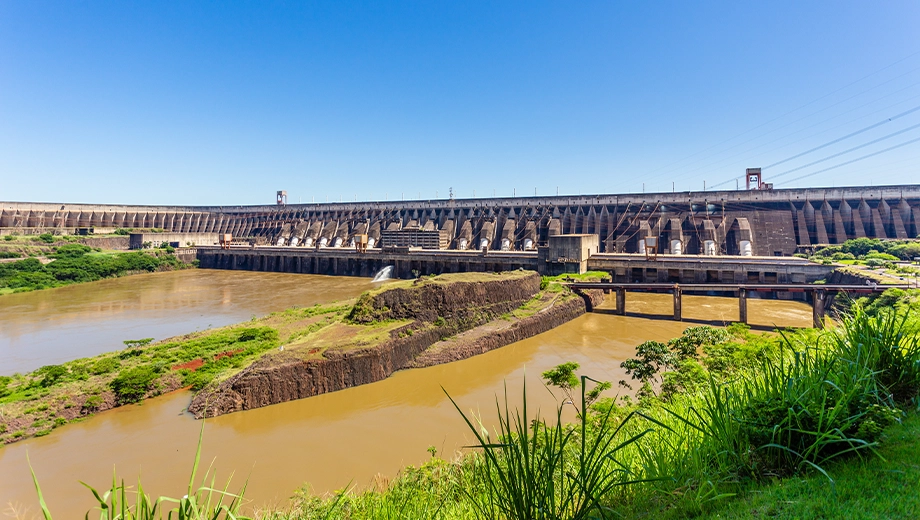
(748, 222)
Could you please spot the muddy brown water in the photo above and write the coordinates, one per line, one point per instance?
(352, 436)
(56, 325)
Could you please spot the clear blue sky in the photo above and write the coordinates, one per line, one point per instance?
(225, 103)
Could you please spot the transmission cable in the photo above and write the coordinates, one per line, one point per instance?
(889, 136)
(873, 154)
(870, 127)
(796, 109)
(698, 168)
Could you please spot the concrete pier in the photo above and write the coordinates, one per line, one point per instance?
(819, 294)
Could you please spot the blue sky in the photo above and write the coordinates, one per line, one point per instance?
(227, 102)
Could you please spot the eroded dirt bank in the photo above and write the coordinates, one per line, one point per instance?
(452, 318)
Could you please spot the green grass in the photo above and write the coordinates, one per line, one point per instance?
(883, 487)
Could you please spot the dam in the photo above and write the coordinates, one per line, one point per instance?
(756, 222)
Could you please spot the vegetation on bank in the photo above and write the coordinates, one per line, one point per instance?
(725, 424)
(34, 404)
(77, 263)
(799, 425)
(724, 418)
(886, 261)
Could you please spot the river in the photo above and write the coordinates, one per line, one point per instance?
(55, 325)
(344, 437)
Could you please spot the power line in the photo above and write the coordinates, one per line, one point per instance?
(796, 121)
(866, 129)
(873, 154)
(889, 136)
(870, 127)
(795, 110)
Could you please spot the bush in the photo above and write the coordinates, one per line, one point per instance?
(906, 250)
(861, 246)
(9, 254)
(92, 402)
(4, 385)
(47, 238)
(132, 384)
(122, 231)
(104, 366)
(71, 251)
(51, 374)
(875, 255)
(8, 238)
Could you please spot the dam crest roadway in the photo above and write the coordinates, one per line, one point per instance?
(756, 222)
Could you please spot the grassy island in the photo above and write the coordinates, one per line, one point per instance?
(403, 324)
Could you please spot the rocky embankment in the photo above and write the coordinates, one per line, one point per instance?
(452, 317)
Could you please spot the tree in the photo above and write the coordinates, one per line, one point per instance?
(563, 377)
(137, 343)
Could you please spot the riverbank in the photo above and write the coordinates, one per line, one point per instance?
(736, 425)
(35, 403)
(73, 263)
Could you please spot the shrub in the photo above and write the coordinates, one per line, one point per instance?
(4, 385)
(47, 238)
(843, 256)
(122, 231)
(51, 374)
(861, 246)
(906, 250)
(8, 238)
(132, 384)
(92, 402)
(72, 251)
(873, 255)
(104, 366)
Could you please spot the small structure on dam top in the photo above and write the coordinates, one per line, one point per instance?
(566, 254)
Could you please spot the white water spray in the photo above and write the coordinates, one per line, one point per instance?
(384, 274)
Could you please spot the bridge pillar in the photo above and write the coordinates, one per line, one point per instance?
(621, 302)
(677, 303)
(819, 298)
(742, 305)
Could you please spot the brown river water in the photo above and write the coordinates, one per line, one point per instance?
(329, 441)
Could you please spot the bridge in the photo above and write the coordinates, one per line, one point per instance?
(821, 295)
